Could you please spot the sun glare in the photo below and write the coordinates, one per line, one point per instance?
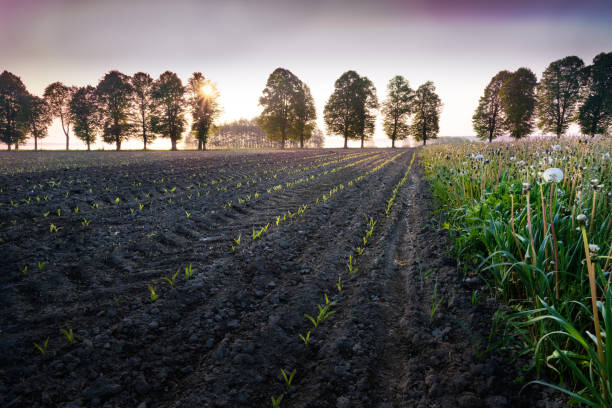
(207, 89)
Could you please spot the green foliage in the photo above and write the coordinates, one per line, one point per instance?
(85, 114)
(488, 120)
(426, 107)
(595, 114)
(114, 93)
(350, 110)
(518, 102)
(279, 105)
(397, 109)
(542, 247)
(168, 118)
(12, 96)
(558, 94)
(142, 83)
(68, 334)
(42, 348)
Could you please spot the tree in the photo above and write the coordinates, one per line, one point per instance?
(349, 110)
(397, 109)
(169, 116)
(37, 117)
(488, 120)
(143, 99)
(304, 115)
(114, 93)
(203, 96)
(595, 114)
(85, 114)
(58, 97)
(558, 93)
(367, 104)
(12, 94)
(427, 108)
(278, 102)
(518, 102)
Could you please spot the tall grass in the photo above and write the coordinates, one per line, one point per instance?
(542, 244)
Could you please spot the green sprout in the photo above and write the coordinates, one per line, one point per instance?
(69, 334)
(43, 348)
(305, 339)
(288, 379)
(276, 401)
(41, 265)
(350, 266)
(171, 280)
(153, 296)
(188, 272)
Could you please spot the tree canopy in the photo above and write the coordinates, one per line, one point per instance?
(37, 117)
(58, 97)
(114, 93)
(169, 116)
(595, 114)
(142, 83)
(518, 101)
(85, 114)
(278, 102)
(203, 96)
(427, 108)
(12, 95)
(349, 112)
(489, 119)
(304, 115)
(558, 93)
(397, 109)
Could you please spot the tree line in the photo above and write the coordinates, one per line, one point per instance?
(120, 107)
(289, 113)
(568, 92)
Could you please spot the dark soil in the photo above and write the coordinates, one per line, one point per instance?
(221, 338)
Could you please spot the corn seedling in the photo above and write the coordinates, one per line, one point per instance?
(339, 284)
(435, 305)
(24, 270)
(276, 401)
(288, 378)
(172, 279)
(188, 272)
(85, 222)
(68, 334)
(187, 214)
(43, 348)
(305, 339)
(152, 295)
(41, 265)
(53, 228)
(350, 266)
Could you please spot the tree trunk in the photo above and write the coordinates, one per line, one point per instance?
(118, 144)
(67, 142)
(16, 144)
(8, 147)
(346, 142)
(173, 144)
(88, 147)
(393, 143)
(301, 141)
(144, 138)
(362, 141)
(199, 145)
(35, 143)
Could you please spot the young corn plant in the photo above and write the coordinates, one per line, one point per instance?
(188, 272)
(152, 295)
(172, 279)
(305, 339)
(288, 378)
(68, 334)
(352, 269)
(42, 348)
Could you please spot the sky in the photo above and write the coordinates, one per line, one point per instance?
(459, 45)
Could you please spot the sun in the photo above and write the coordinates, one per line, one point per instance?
(207, 89)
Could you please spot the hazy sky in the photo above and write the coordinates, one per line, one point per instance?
(459, 45)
